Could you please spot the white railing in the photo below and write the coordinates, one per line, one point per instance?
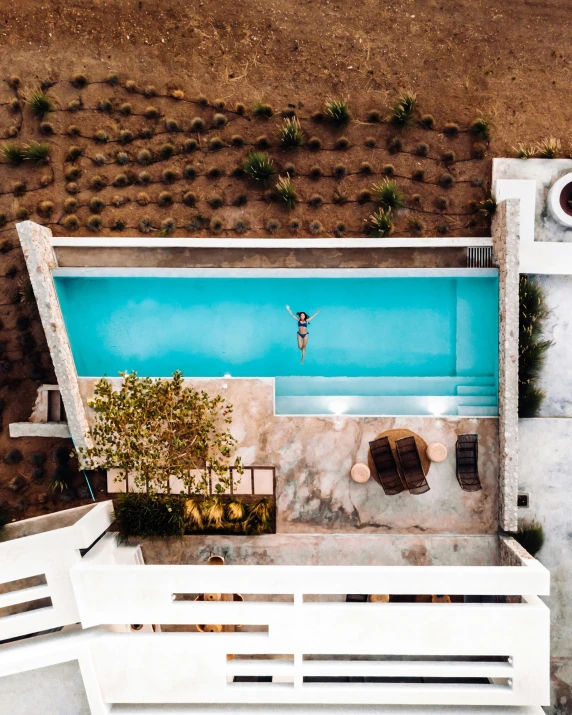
(507, 644)
(41, 564)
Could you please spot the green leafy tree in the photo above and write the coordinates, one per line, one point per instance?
(154, 429)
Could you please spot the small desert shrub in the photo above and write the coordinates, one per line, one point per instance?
(387, 194)
(45, 209)
(145, 225)
(451, 129)
(47, 128)
(446, 181)
(427, 121)
(416, 225)
(3, 219)
(373, 116)
(403, 109)
(214, 172)
(524, 151)
(215, 201)
(169, 176)
(317, 117)
(262, 142)
(240, 200)
(96, 205)
(151, 112)
(364, 196)
(74, 152)
(316, 228)
(190, 199)
(369, 142)
(40, 103)
(294, 225)
(146, 515)
(94, 223)
(488, 206)
(342, 143)
(166, 151)
(144, 177)
(259, 166)
(478, 150)
(117, 224)
(99, 159)
(150, 91)
(19, 188)
(130, 85)
(72, 187)
(340, 197)
(549, 148)
(177, 94)
(240, 109)
(422, 149)
(101, 136)
(291, 135)
(340, 171)
(380, 223)
(315, 200)
(75, 105)
(216, 224)
(15, 105)
(73, 130)
(144, 157)
(122, 158)
(216, 144)
(394, 145)
(142, 198)
(12, 131)
(530, 536)
(337, 112)
(201, 100)
(189, 172)
(70, 205)
(112, 79)
(418, 175)
(340, 229)
(165, 198)
(260, 110)
(172, 125)
(480, 127)
(314, 143)
(240, 226)
(97, 182)
(365, 168)
(388, 169)
(442, 228)
(79, 81)
(22, 213)
(219, 121)
(168, 225)
(441, 203)
(286, 192)
(14, 81)
(14, 456)
(125, 136)
(448, 157)
(125, 109)
(198, 125)
(272, 225)
(315, 172)
(120, 181)
(237, 141)
(13, 153)
(190, 145)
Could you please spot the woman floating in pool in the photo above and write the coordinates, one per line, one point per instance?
(303, 321)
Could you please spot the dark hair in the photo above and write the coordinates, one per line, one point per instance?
(299, 314)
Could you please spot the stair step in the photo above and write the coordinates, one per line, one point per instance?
(477, 411)
(366, 405)
(482, 400)
(477, 389)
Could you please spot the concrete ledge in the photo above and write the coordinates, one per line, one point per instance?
(40, 429)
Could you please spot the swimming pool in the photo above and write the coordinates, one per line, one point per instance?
(383, 343)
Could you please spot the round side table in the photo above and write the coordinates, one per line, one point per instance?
(360, 473)
(437, 452)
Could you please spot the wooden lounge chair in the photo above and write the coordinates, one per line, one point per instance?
(411, 466)
(386, 472)
(468, 462)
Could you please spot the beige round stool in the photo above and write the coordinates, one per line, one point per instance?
(360, 473)
(437, 452)
(379, 598)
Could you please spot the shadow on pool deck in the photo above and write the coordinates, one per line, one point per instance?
(313, 457)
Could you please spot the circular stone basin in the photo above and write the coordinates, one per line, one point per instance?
(559, 200)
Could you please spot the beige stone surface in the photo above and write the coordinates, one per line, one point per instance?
(314, 455)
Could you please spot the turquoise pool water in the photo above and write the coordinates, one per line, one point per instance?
(380, 337)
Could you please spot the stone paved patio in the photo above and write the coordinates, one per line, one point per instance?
(314, 456)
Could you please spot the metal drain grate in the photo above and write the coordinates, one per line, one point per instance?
(479, 257)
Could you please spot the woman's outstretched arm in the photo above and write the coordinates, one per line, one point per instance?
(315, 314)
(291, 313)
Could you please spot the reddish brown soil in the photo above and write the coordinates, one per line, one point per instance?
(461, 57)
